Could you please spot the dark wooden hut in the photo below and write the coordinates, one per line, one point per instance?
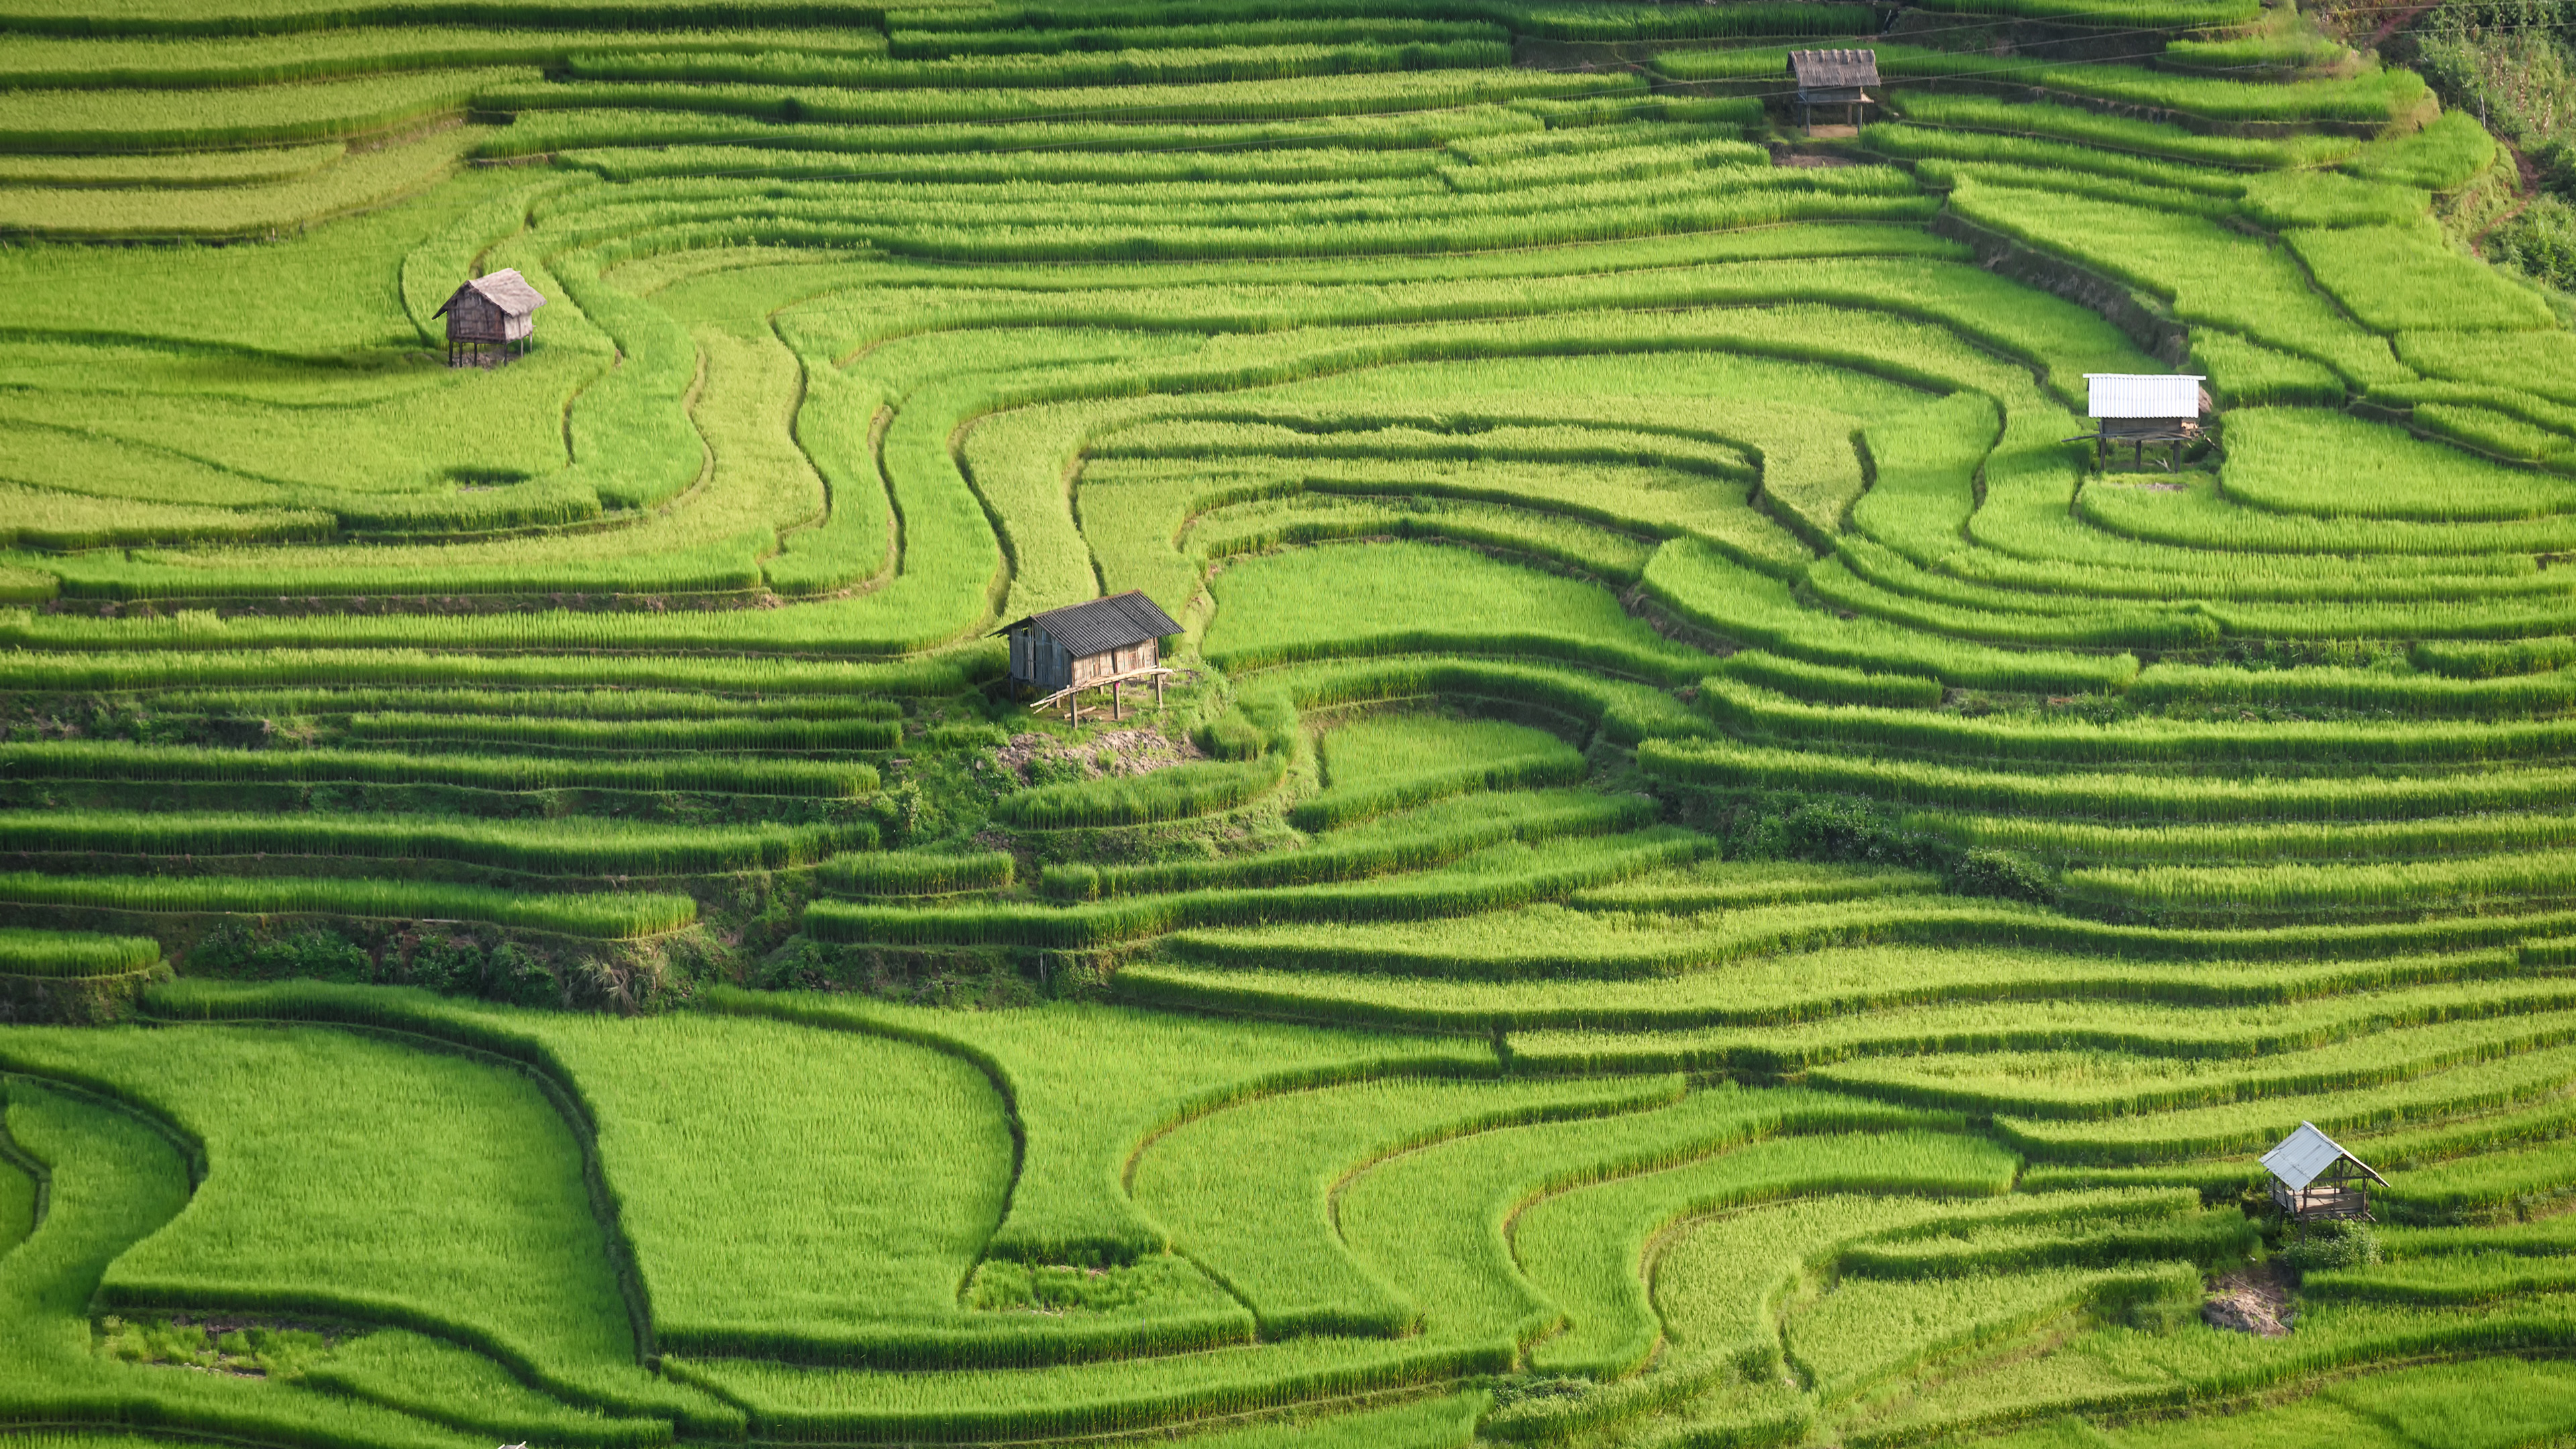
(486, 316)
(2141, 408)
(1833, 78)
(1102, 644)
(2314, 1179)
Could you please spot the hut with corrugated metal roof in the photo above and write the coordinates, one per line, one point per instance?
(2141, 408)
(2314, 1179)
(1105, 644)
(489, 316)
(1833, 78)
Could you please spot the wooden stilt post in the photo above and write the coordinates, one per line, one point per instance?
(1158, 691)
(1117, 699)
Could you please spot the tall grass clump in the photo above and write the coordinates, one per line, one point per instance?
(916, 873)
(73, 953)
(608, 917)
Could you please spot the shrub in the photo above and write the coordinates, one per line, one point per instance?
(2331, 1245)
(2003, 874)
(2541, 241)
(241, 951)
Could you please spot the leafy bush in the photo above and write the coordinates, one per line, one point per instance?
(239, 950)
(2541, 241)
(2003, 874)
(2331, 1245)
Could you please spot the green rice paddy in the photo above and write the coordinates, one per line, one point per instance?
(1707, 872)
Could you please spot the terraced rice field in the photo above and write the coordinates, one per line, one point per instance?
(1707, 875)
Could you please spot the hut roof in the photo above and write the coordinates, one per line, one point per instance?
(1834, 69)
(504, 289)
(2305, 1153)
(1103, 624)
(2145, 395)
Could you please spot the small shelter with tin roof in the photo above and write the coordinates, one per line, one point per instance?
(488, 314)
(1833, 78)
(2314, 1179)
(2139, 408)
(1101, 644)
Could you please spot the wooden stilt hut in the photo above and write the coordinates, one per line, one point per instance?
(488, 316)
(2142, 408)
(2315, 1180)
(1105, 644)
(1833, 78)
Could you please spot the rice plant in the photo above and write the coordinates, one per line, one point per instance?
(606, 917)
(73, 953)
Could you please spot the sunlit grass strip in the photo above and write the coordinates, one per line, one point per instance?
(1711, 591)
(2218, 1041)
(2346, 688)
(1736, 885)
(2077, 842)
(219, 665)
(556, 704)
(2492, 1187)
(113, 120)
(73, 953)
(1551, 762)
(2471, 1279)
(1933, 143)
(1416, 841)
(1155, 66)
(631, 735)
(2158, 14)
(1831, 683)
(1516, 875)
(1224, 101)
(2493, 658)
(1148, 147)
(1543, 944)
(2098, 133)
(1411, 597)
(562, 847)
(1173, 794)
(1627, 712)
(606, 917)
(916, 873)
(1010, 35)
(979, 1406)
(2462, 1092)
(1755, 711)
(129, 764)
(2101, 1086)
(2142, 797)
(2520, 879)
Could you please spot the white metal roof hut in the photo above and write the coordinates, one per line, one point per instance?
(2314, 1179)
(1104, 643)
(1833, 78)
(2139, 408)
(488, 314)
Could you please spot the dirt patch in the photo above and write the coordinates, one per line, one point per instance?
(2250, 1300)
(1112, 752)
